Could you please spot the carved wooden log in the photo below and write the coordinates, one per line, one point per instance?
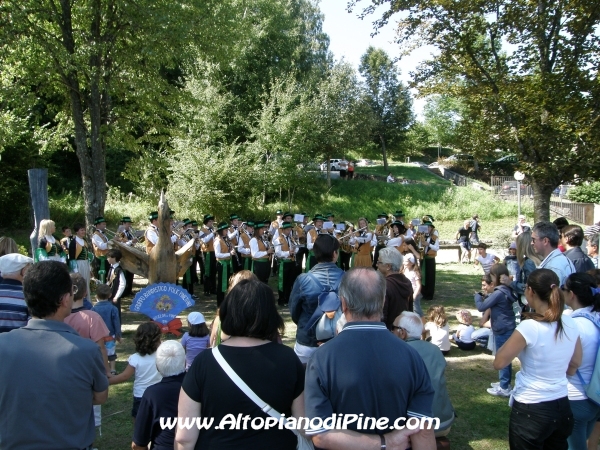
(38, 188)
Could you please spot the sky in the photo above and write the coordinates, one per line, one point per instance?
(350, 37)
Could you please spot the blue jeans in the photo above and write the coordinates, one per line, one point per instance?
(417, 305)
(505, 374)
(540, 426)
(585, 414)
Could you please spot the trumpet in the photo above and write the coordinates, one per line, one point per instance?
(350, 233)
(116, 235)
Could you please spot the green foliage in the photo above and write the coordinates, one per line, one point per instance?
(389, 101)
(442, 117)
(585, 193)
(537, 98)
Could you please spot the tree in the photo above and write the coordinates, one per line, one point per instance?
(539, 94)
(389, 100)
(101, 69)
(442, 117)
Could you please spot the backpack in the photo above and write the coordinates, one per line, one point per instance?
(593, 388)
(329, 294)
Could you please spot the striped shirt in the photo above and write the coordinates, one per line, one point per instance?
(13, 309)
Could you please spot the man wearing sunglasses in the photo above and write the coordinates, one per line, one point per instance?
(544, 239)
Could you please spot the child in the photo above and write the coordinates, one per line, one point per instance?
(109, 314)
(414, 276)
(463, 337)
(483, 336)
(116, 277)
(485, 259)
(511, 262)
(142, 364)
(437, 326)
(500, 301)
(197, 339)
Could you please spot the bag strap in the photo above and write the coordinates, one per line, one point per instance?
(333, 288)
(596, 322)
(265, 407)
(316, 280)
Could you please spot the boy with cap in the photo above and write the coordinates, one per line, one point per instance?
(13, 309)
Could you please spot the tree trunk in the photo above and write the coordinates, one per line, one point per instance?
(384, 153)
(542, 189)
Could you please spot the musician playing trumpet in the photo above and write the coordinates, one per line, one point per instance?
(244, 245)
(210, 263)
(311, 237)
(285, 249)
(362, 239)
(224, 254)
(261, 251)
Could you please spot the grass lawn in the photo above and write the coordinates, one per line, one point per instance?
(482, 422)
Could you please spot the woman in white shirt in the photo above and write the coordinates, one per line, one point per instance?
(548, 347)
(582, 294)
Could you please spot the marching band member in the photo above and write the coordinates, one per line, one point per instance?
(130, 240)
(210, 263)
(233, 233)
(285, 251)
(363, 239)
(224, 253)
(48, 246)
(100, 246)
(187, 281)
(261, 252)
(66, 240)
(151, 235)
(300, 236)
(285, 218)
(431, 245)
(198, 257)
(345, 249)
(244, 246)
(399, 216)
(380, 232)
(274, 227)
(329, 217)
(396, 240)
(79, 255)
(311, 237)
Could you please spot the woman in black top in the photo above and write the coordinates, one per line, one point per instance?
(273, 371)
(463, 236)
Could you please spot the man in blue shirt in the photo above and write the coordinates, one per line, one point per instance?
(368, 372)
(13, 309)
(304, 298)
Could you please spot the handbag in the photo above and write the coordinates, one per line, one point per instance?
(303, 443)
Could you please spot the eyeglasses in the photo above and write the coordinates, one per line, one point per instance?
(394, 327)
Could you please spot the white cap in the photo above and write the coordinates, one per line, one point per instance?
(13, 262)
(195, 318)
(409, 257)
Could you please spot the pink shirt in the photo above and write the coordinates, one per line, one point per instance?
(88, 324)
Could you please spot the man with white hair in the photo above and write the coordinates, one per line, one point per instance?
(13, 309)
(398, 288)
(409, 327)
(160, 400)
(387, 378)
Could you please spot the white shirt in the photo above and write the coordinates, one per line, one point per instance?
(152, 234)
(439, 336)
(221, 253)
(543, 378)
(99, 242)
(362, 239)
(254, 251)
(394, 242)
(486, 262)
(241, 248)
(281, 254)
(466, 332)
(146, 373)
(390, 179)
(557, 262)
(121, 282)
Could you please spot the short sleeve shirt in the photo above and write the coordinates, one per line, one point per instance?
(272, 371)
(88, 324)
(368, 370)
(146, 373)
(463, 235)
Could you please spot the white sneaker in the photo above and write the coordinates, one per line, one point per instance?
(495, 385)
(499, 392)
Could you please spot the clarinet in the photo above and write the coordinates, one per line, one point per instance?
(229, 247)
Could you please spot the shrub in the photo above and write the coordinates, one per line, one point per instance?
(585, 193)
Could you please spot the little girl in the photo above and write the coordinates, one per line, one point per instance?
(197, 339)
(437, 326)
(463, 337)
(142, 364)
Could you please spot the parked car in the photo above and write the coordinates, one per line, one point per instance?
(364, 163)
(334, 164)
(510, 188)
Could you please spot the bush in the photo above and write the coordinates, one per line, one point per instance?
(585, 193)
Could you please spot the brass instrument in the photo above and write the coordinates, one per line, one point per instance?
(380, 230)
(115, 235)
(299, 235)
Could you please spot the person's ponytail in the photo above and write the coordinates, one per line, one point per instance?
(545, 284)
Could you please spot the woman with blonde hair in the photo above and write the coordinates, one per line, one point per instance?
(549, 349)
(48, 246)
(528, 262)
(216, 335)
(362, 237)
